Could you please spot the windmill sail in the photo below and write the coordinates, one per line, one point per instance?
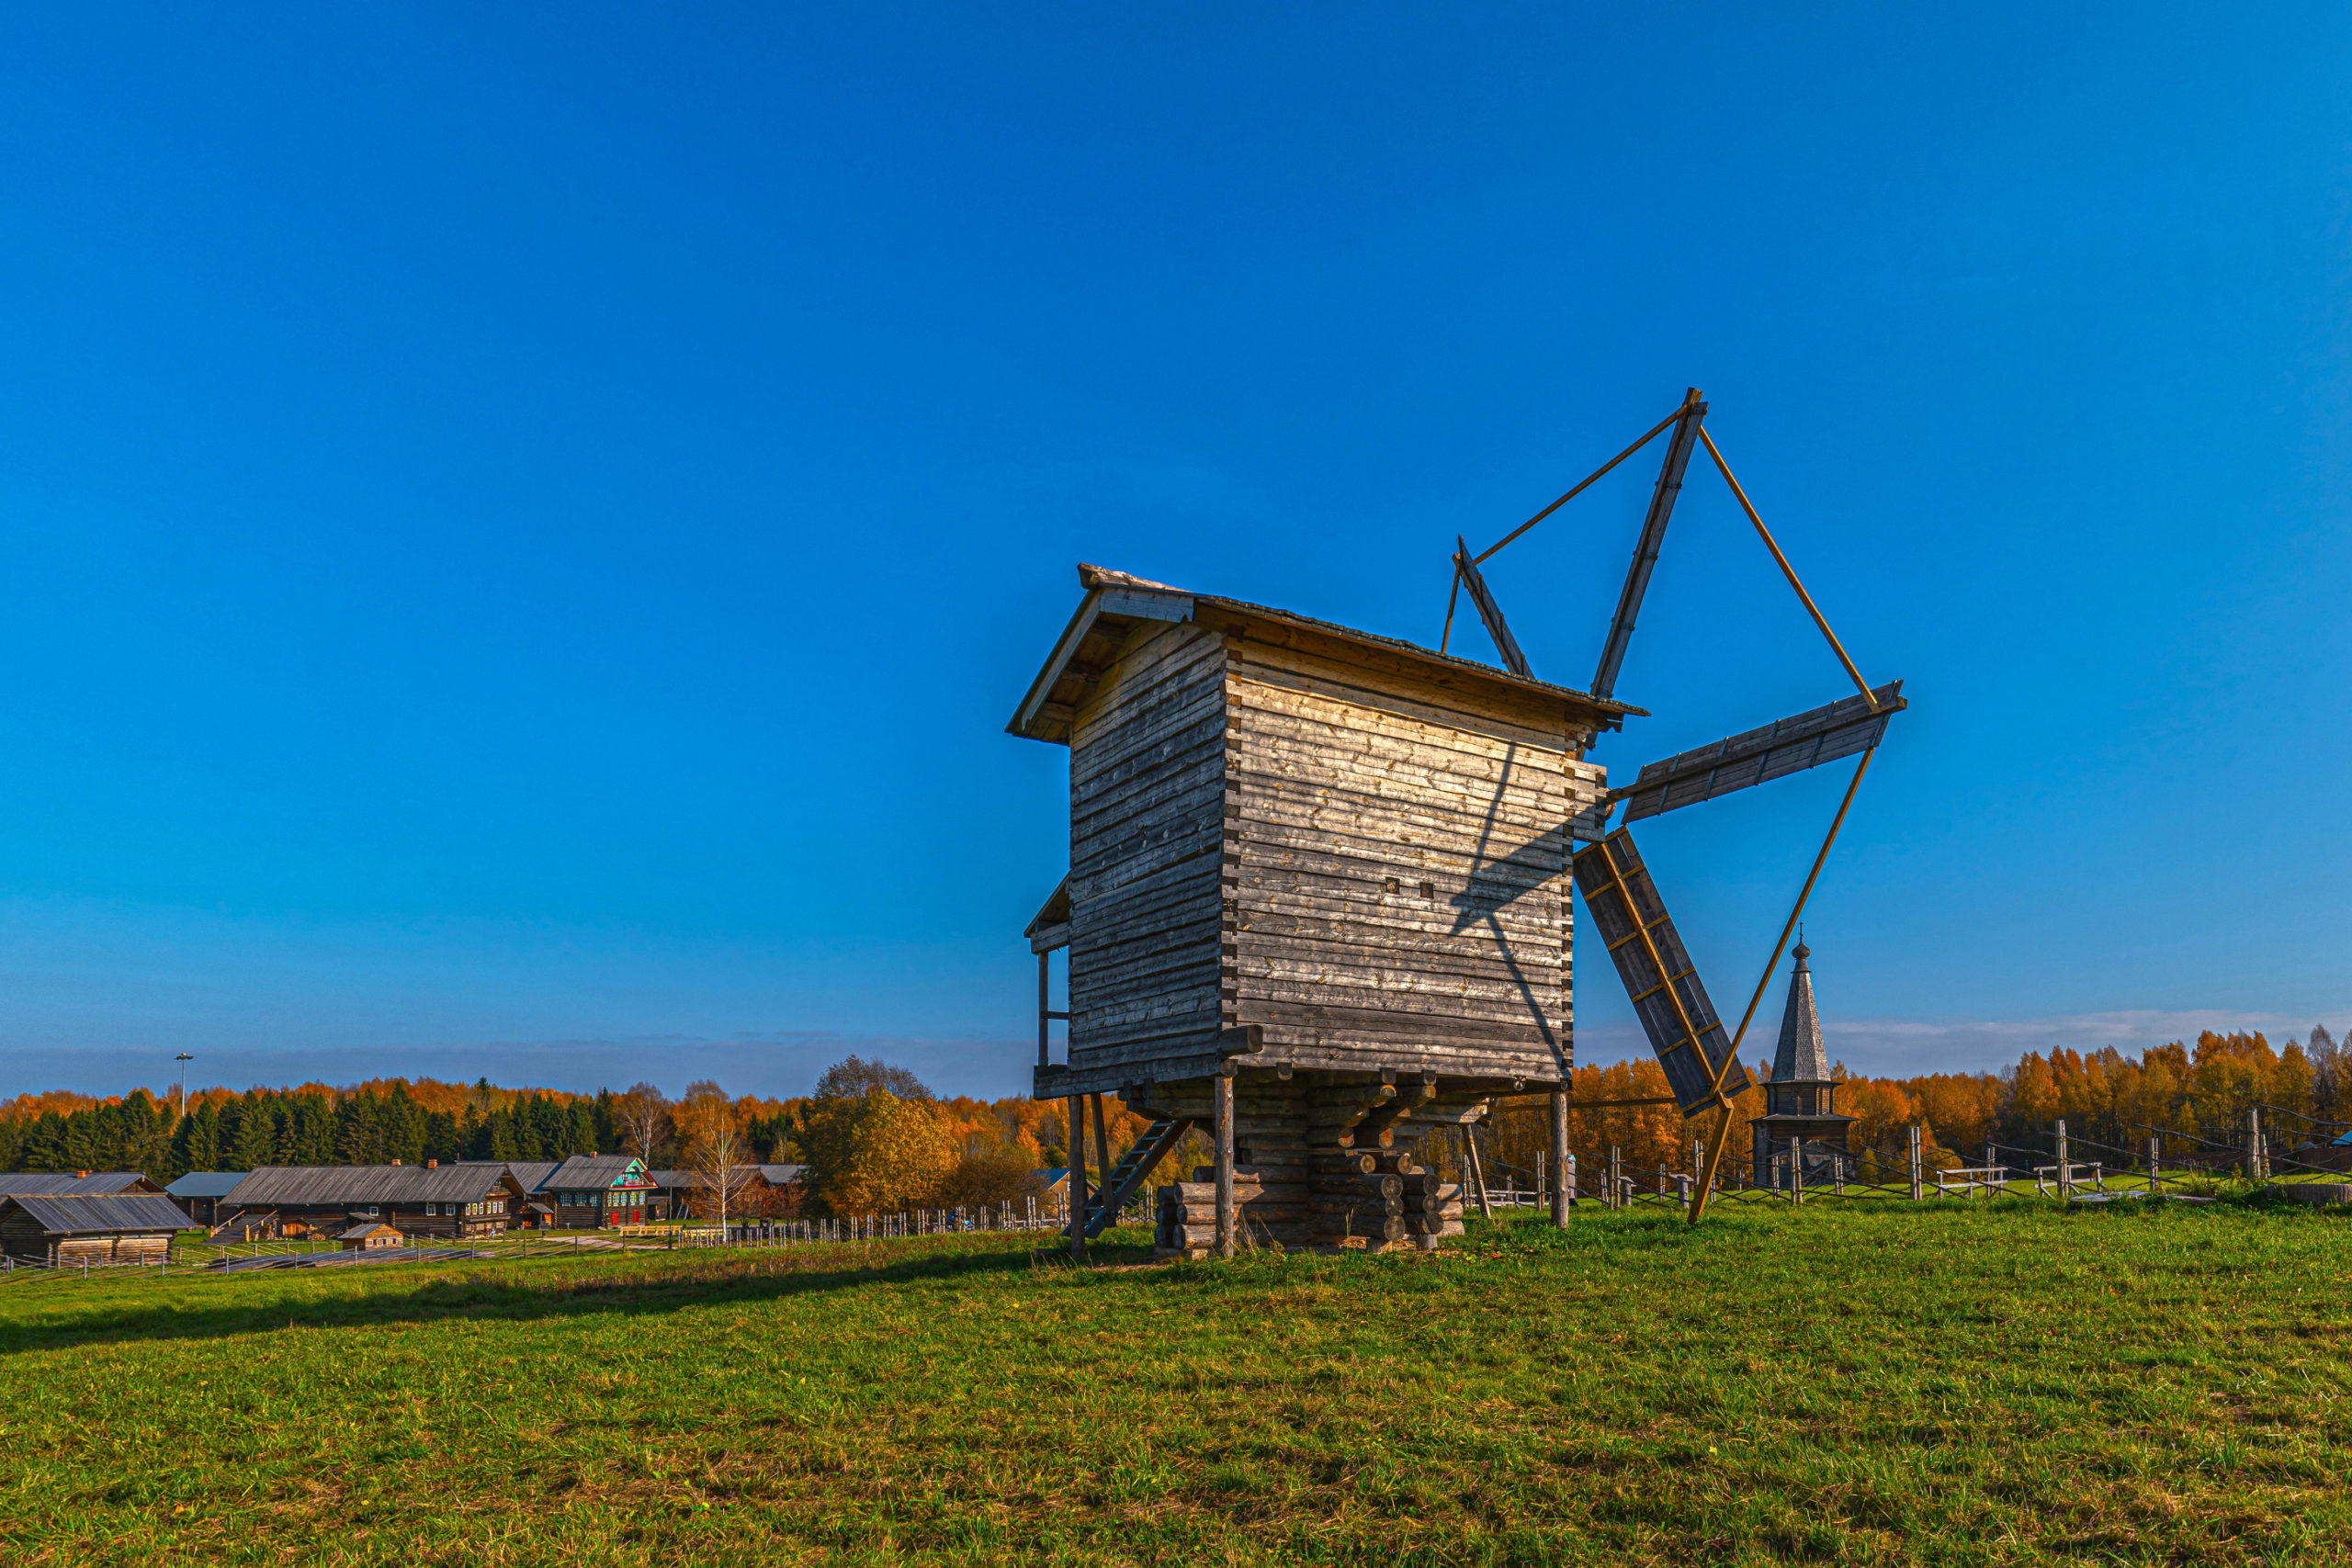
(1786, 746)
(1659, 975)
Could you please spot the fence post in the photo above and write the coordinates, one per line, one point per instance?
(1796, 1170)
(1616, 1178)
(1919, 1187)
(2256, 1166)
(2065, 1171)
(2156, 1155)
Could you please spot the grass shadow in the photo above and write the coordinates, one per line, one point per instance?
(76, 1315)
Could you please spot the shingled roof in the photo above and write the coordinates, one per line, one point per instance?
(93, 1213)
(1801, 1057)
(314, 1185)
(585, 1173)
(100, 1181)
(1116, 602)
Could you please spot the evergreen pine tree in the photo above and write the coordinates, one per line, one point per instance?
(250, 1139)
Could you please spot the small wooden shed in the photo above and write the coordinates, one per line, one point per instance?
(1317, 896)
(91, 1229)
(373, 1236)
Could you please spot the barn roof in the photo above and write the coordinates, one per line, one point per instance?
(533, 1173)
(328, 1184)
(1115, 602)
(206, 1184)
(92, 1213)
(366, 1228)
(68, 1181)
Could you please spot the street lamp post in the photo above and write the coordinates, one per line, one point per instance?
(182, 1060)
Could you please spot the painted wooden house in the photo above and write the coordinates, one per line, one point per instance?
(596, 1191)
(1317, 895)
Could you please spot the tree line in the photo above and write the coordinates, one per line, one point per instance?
(874, 1139)
(2194, 1096)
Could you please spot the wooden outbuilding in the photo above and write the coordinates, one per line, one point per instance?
(372, 1236)
(90, 1229)
(1318, 901)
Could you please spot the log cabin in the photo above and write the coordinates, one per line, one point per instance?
(465, 1199)
(95, 1230)
(1317, 900)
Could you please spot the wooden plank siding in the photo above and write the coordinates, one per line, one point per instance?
(1358, 847)
(1348, 790)
(1146, 821)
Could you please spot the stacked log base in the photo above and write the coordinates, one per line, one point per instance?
(1319, 1166)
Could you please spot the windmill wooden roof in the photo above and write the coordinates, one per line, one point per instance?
(1115, 602)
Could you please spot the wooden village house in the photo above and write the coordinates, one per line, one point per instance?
(1317, 902)
(457, 1200)
(93, 1230)
(595, 1191)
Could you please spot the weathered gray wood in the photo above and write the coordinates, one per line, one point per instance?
(1488, 611)
(1077, 1179)
(1478, 1171)
(1652, 537)
(1807, 740)
(1226, 1216)
(1559, 1107)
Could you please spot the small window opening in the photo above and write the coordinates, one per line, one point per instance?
(1391, 884)
(1428, 889)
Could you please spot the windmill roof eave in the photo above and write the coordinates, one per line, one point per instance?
(1116, 599)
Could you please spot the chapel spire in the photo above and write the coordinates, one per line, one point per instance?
(1801, 1057)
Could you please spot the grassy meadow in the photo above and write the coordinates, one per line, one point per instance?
(1885, 1383)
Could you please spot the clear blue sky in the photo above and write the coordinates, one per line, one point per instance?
(520, 529)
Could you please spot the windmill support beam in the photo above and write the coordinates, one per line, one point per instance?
(1638, 578)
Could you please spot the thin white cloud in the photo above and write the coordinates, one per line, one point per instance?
(1905, 1046)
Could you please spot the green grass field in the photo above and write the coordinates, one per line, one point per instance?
(1886, 1382)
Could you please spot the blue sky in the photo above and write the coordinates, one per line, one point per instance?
(520, 529)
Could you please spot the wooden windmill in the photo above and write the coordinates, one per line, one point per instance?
(1317, 898)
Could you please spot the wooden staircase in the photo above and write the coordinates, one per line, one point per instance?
(1120, 1185)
